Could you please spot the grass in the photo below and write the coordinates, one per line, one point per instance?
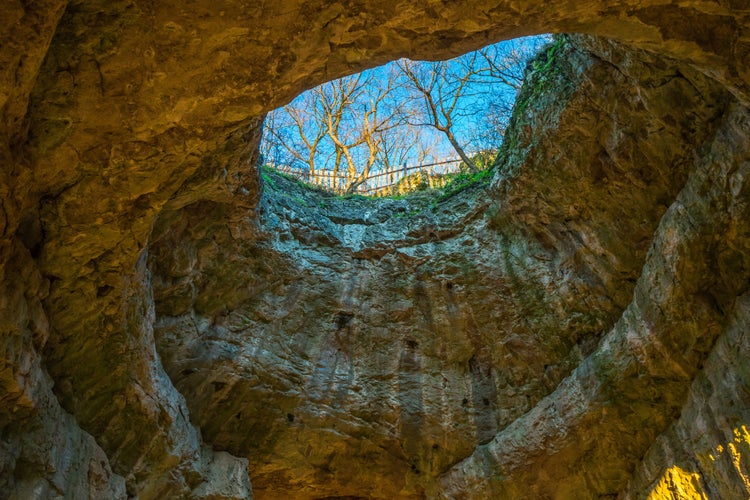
(456, 184)
(464, 180)
(267, 179)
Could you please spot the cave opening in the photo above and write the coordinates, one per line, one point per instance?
(405, 126)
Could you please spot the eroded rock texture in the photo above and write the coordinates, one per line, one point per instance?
(173, 328)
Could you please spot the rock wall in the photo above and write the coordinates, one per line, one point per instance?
(380, 342)
(169, 327)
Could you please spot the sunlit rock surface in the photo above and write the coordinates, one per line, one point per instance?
(173, 327)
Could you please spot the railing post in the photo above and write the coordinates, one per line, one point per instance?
(380, 182)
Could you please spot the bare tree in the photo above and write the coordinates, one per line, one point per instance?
(292, 133)
(342, 125)
(407, 144)
(358, 136)
(505, 66)
(441, 87)
(480, 85)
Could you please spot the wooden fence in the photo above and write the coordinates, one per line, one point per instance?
(379, 182)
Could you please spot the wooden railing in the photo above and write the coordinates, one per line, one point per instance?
(379, 182)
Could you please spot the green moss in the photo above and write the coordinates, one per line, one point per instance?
(301, 201)
(410, 213)
(464, 180)
(542, 70)
(543, 62)
(267, 179)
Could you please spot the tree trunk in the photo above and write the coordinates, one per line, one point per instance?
(469, 164)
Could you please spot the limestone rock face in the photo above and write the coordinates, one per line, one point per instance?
(378, 343)
(172, 326)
